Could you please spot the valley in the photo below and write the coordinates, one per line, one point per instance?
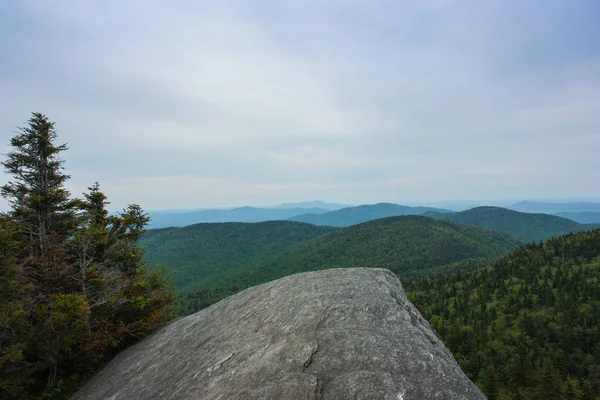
(210, 261)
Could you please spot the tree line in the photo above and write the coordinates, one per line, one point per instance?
(74, 289)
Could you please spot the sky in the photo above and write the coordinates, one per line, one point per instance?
(191, 104)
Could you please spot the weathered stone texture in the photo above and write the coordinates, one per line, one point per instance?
(335, 334)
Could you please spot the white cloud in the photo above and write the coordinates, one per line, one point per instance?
(286, 100)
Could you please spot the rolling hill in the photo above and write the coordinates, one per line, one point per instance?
(198, 251)
(356, 215)
(525, 226)
(528, 326)
(410, 246)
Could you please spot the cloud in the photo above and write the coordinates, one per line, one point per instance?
(193, 104)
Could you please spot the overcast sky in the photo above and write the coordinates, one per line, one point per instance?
(184, 104)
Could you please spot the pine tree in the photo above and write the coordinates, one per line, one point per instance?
(122, 293)
(40, 204)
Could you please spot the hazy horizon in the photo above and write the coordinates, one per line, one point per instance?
(233, 103)
(452, 205)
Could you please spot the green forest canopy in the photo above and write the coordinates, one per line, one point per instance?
(528, 326)
(196, 252)
(410, 246)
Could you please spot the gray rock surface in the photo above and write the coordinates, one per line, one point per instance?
(335, 334)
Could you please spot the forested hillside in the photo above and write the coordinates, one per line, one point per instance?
(528, 326)
(410, 246)
(198, 251)
(526, 227)
(356, 215)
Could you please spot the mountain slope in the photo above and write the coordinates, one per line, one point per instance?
(410, 246)
(198, 251)
(356, 215)
(526, 227)
(528, 326)
(241, 214)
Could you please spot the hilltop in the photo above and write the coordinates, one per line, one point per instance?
(355, 215)
(525, 226)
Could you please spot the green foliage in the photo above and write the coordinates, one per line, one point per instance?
(526, 227)
(74, 287)
(199, 251)
(40, 204)
(411, 246)
(15, 329)
(528, 326)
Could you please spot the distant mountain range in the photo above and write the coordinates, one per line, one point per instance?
(555, 208)
(312, 204)
(340, 215)
(526, 227)
(584, 217)
(301, 213)
(163, 219)
(356, 215)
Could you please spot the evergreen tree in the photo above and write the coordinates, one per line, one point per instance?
(40, 204)
(73, 285)
(108, 268)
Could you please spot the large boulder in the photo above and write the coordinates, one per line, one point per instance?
(335, 334)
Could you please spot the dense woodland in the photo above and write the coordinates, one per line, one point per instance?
(410, 246)
(199, 251)
(73, 287)
(528, 326)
